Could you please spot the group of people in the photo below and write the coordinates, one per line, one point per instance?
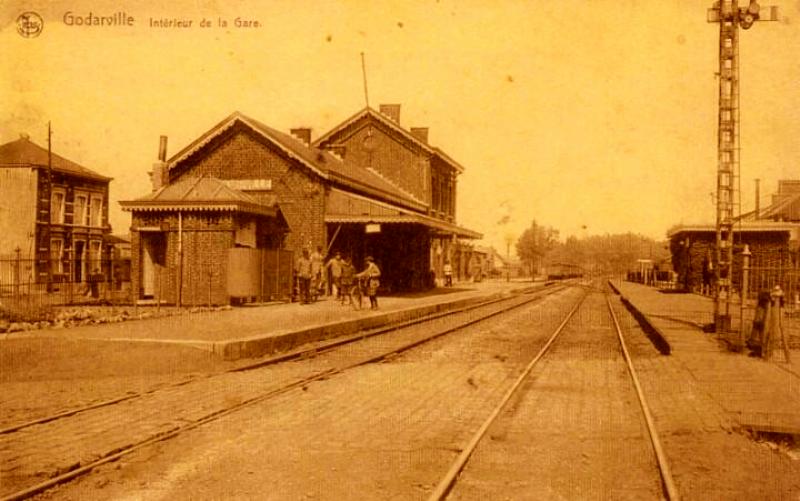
(312, 273)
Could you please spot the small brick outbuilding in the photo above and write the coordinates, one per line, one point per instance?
(190, 236)
(692, 245)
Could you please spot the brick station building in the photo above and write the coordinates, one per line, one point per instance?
(293, 195)
(692, 245)
(424, 224)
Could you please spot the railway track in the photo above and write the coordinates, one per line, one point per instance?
(26, 480)
(512, 424)
(312, 349)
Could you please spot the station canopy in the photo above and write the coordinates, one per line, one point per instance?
(343, 207)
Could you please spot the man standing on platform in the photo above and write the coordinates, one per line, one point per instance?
(303, 270)
(316, 271)
(372, 273)
(448, 274)
(335, 267)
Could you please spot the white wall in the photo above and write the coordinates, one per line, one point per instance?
(17, 210)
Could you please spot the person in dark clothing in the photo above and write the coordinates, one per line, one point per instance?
(304, 277)
(372, 273)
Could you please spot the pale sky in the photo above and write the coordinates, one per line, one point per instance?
(596, 113)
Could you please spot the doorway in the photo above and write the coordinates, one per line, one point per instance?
(79, 262)
(153, 253)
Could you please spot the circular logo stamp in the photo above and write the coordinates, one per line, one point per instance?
(30, 24)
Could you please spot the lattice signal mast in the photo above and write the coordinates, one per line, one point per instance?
(730, 17)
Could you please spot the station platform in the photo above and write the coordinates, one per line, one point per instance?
(47, 371)
(258, 330)
(759, 395)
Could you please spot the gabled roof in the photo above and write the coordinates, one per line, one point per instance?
(315, 159)
(377, 115)
(25, 153)
(199, 194)
(321, 162)
(369, 112)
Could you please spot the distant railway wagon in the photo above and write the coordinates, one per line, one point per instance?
(561, 271)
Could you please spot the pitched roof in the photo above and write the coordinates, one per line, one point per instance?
(444, 156)
(322, 162)
(355, 176)
(745, 227)
(313, 158)
(369, 112)
(199, 193)
(25, 153)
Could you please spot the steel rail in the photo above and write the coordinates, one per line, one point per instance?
(443, 488)
(297, 384)
(283, 357)
(663, 465)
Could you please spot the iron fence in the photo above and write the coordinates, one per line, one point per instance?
(28, 284)
(777, 272)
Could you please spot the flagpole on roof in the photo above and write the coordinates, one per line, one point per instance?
(364, 74)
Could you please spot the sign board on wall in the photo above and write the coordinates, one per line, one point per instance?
(372, 228)
(249, 184)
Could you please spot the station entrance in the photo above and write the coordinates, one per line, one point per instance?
(401, 251)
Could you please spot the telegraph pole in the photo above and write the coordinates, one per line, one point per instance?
(49, 259)
(730, 17)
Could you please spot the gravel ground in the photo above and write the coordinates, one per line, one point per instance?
(383, 431)
(40, 377)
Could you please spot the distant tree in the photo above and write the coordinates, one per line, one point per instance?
(534, 244)
(606, 254)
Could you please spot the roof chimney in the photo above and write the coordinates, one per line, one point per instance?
(758, 199)
(420, 133)
(162, 148)
(159, 176)
(391, 111)
(25, 136)
(303, 134)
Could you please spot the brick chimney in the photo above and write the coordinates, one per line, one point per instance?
(758, 199)
(303, 134)
(159, 177)
(420, 133)
(391, 111)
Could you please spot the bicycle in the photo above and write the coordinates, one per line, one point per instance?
(357, 292)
